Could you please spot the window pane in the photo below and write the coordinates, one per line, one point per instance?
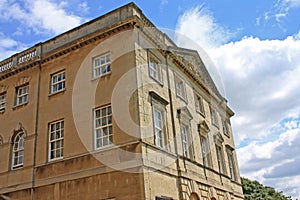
(18, 150)
(56, 139)
(58, 82)
(101, 65)
(103, 125)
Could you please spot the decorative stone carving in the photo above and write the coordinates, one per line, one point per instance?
(3, 88)
(218, 139)
(22, 81)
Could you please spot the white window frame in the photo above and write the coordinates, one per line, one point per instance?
(2, 101)
(220, 158)
(231, 163)
(205, 151)
(186, 139)
(155, 70)
(159, 127)
(18, 151)
(180, 88)
(101, 65)
(58, 82)
(56, 140)
(22, 94)
(199, 104)
(103, 128)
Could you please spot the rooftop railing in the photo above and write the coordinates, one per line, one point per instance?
(23, 58)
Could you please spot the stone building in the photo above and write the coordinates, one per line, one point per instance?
(114, 109)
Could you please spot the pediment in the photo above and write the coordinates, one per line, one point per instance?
(195, 65)
(203, 127)
(185, 113)
(218, 138)
(154, 95)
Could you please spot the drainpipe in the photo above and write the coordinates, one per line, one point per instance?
(36, 122)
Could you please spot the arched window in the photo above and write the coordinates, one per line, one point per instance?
(18, 151)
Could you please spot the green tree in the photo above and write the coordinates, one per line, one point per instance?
(253, 190)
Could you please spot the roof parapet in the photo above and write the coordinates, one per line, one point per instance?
(34, 53)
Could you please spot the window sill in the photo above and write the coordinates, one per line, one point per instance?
(188, 158)
(157, 81)
(215, 125)
(201, 113)
(20, 105)
(182, 98)
(103, 148)
(55, 159)
(101, 76)
(227, 135)
(57, 92)
(17, 167)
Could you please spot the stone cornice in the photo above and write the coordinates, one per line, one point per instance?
(87, 40)
(96, 29)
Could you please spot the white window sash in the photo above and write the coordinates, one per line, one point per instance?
(56, 140)
(155, 70)
(101, 65)
(159, 126)
(22, 95)
(2, 101)
(103, 132)
(185, 142)
(18, 151)
(58, 82)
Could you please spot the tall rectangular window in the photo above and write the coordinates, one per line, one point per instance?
(56, 140)
(180, 88)
(155, 69)
(186, 141)
(205, 151)
(231, 165)
(220, 157)
(103, 126)
(199, 104)
(158, 119)
(101, 65)
(2, 101)
(58, 82)
(22, 95)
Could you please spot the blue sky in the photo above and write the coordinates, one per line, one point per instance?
(255, 48)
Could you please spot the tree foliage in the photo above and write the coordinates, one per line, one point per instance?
(253, 190)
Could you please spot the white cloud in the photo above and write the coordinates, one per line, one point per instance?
(273, 163)
(83, 7)
(262, 84)
(199, 24)
(280, 10)
(52, 17)
(163, 3)
(42, 16)
(261, 81)
(297, 36)
(9, 46)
